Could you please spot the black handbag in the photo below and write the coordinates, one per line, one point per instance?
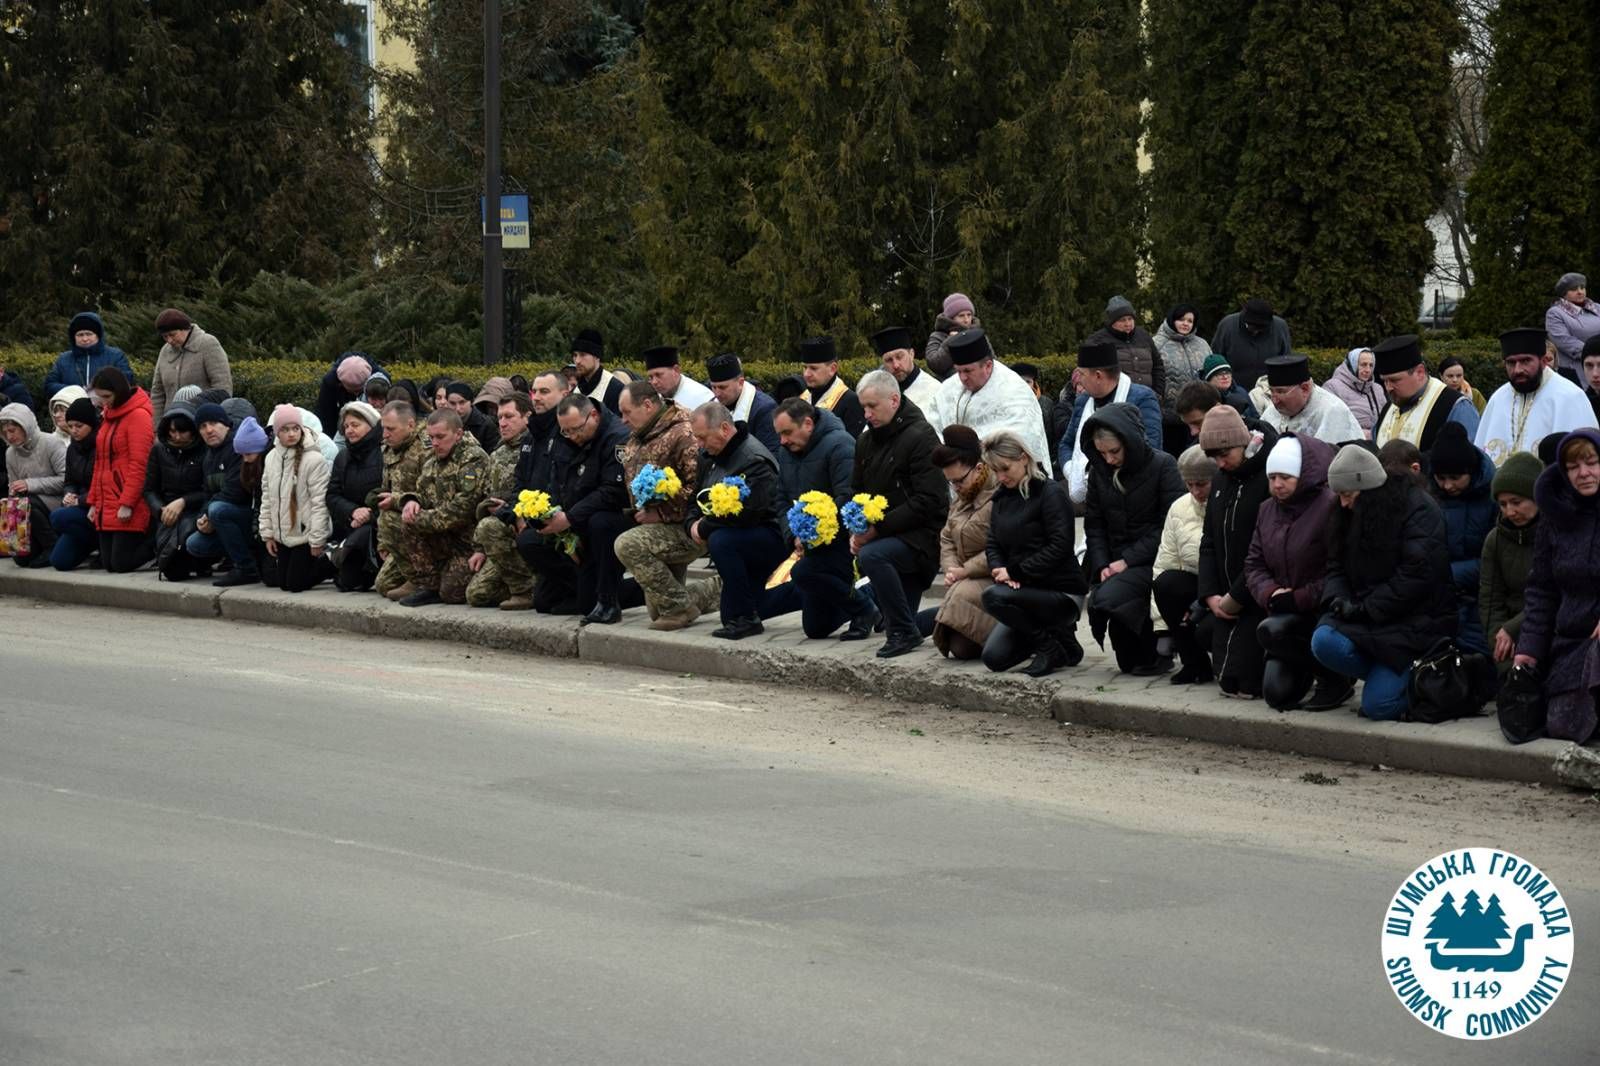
(1519, 705)
(1448, 683)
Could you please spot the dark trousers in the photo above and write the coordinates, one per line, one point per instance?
(1175, 592)
(294, 569)
(41, 535)
(1026, 619)
(123, 552)
(557, 587)
(1235, 653)
(599, 571)
(821, 587)
(76, 538)
(1132, 647)
(1289, 667)
(358, 569)
(899, 576)
(744, 558)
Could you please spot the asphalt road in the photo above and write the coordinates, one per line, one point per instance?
(233, 844)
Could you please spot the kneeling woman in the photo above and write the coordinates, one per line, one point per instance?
(1561, 611)
(1037, 579)
(294, 502)
(1388, 593)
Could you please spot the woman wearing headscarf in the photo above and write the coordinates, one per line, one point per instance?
(76, 538)
(1131, 488)
(295, 523)
(1355, 383)
(1036, 580)
(961, 626)
(356, 472)
(59, 402)
(1388, 595)
(1561, 616)
(121, 456)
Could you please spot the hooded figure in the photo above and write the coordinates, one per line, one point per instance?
(1285, 569)
(62, 399)
(1131, 488)
(39, 462)
(1562, 599)
(1183, 355)
(1364, 398)
(1469, 514)
(175, 490)
(78, 365)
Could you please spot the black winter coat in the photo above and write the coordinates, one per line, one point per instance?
(743, 457)
(80, 466)
(174, 473)
(1126, 507)
(357, 471)
(222, 480)
(543, 452)
(1035, 538)
(331, 395)
(895, 461)
(1236, 497)
(1391, 557)
(590, 477)
(485, 430)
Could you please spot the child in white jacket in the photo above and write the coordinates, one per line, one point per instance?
(1177, 569)
(295, 522)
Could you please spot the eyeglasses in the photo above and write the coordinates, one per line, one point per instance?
(957, 482)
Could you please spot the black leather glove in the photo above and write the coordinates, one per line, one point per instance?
(1347, 610)
(1282, 602)
(1197, 611)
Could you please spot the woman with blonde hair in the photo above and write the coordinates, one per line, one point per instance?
(1038, 584)
(295, 521)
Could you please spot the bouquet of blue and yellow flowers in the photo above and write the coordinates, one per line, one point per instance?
(537, 508)
(724, 499)
(863, 512)
(814, 519)
(654, 484)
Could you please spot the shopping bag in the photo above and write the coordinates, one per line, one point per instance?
(15, 527)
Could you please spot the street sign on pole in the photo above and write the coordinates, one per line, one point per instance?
(513, 220)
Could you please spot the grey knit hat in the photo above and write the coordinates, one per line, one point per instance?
(1195, 465)
(1569, 281)
(1355, 468)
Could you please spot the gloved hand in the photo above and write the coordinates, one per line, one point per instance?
(1282, 602)
(1346, 609)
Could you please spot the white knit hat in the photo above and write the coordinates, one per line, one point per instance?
(1284, 458)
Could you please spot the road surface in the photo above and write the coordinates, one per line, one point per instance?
(236, 844)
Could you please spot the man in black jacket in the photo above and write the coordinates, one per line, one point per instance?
(591, 491)
(1237, 493)
(894, 459)
(744, 541)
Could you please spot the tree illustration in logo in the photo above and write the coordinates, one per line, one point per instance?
(1474, 926)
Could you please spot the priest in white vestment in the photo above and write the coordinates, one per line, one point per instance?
(986, 395)
(1534, 402)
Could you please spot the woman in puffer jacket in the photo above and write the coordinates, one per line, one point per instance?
(1355, 382)
(295, 521)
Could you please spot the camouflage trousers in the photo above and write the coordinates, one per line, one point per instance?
(658, 556)
(395, 571)
(438, 561)
(504, 573)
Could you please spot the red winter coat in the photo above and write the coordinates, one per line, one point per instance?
(121, 452)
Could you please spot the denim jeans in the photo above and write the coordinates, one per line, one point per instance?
(745, 558)
(232, 534)
(899, 574)
(76, 539)
(1383, 692)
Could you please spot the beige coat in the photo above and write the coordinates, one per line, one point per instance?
(311, 522)
(1180, 543)
(201, 361)
(963, 544)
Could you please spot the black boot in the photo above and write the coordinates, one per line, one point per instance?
(1329, 692)
(1049, 658)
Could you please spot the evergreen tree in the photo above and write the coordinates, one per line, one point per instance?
(1344, 161)
(1196, 132)
(1494, 921)
(1445, 922)
(165, 144)
(1533, 200)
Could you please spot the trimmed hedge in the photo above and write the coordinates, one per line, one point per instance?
(273, 381)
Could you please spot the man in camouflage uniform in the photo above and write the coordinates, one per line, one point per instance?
(657, 550)
(499, 576)
(405, 445)
(437, 517)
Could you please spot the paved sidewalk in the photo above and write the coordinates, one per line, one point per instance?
(1092, 694)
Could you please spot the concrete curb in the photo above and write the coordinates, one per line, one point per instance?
(1090, 695)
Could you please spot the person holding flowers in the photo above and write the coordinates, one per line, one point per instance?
(899, 552)
(814, 468)
(591, 493)
(657, 548)
(737, 497)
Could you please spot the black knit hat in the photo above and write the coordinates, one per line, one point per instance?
(660, 357)
(892, 339)
(969, 346)
(1288, 370)
(462, 389)
(818, 350)
(83, 410)
(1453, 454)
(590, 342)
(1396, 355)
(1591, 346)
(724, 366)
